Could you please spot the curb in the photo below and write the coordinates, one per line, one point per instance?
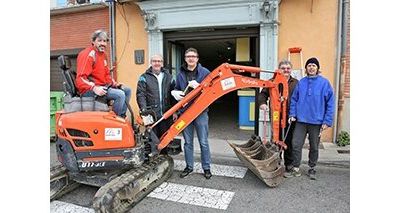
(233, 160)
(338, 164)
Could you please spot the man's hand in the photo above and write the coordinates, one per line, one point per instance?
(291, 119)
(263, 107)
(174, 117)
(118, 85)
(99, 90)
(324, 126)
(112, 68)
(115, 84)
(178, 95)
(194, 84)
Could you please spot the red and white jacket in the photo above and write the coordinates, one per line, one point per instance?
(92, 70)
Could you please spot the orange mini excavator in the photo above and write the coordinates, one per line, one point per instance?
(101, 149)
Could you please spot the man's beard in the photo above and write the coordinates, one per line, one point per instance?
(101, 48)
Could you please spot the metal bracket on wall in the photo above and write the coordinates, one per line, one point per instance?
(312, 4)
(139, 56)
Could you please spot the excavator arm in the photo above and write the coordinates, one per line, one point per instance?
(222, 80)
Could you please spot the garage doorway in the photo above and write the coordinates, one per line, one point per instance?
(216, 46)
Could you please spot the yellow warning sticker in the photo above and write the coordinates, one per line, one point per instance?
(276, 116)
(180, 125)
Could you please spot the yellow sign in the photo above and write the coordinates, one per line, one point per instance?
(276, 116)
(251, 112)
(180, 125)
(243, 49)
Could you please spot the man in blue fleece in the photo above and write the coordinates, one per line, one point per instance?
(312, 106)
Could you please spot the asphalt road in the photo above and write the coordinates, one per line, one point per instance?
(329, 193)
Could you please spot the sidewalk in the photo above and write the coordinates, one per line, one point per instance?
(221, 151)
(328, 153)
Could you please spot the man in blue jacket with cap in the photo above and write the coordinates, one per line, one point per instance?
(312, 106)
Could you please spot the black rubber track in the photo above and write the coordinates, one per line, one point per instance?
(125, 191)
(60, 183)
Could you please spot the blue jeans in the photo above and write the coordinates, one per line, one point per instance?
(201, 125)
(119, 96)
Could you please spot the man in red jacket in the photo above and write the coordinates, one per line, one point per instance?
(93, 75)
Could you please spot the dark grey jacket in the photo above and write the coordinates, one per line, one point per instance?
(264, 94)
(147, 93)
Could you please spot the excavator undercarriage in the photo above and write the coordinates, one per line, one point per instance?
(119, 190)
(123, 192)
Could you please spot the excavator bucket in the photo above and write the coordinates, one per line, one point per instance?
(263, 160)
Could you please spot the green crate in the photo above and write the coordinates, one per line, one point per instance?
(56, 104)
(52, 126)
(56, 101)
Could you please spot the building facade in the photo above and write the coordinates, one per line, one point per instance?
(71, 25)
(255, 33)
(271, 27)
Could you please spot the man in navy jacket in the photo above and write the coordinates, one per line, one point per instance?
(191, 74)
(312, 106)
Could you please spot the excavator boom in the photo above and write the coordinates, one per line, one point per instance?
(222, 80)
(263, 159)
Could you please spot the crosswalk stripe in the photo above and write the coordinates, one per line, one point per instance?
(193, 195)
(218, 170)
(62, 207)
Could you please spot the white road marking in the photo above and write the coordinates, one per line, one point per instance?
(62, 207)
(206, 197)
(218, 170)
(193, 195)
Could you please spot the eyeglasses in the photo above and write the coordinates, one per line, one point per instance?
(101, 40)
(157, 61)
(285, 68)
(191, 56)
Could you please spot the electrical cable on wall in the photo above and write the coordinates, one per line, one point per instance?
(123, 14)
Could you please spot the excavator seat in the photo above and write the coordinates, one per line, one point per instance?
(69, 76)
(73, 101)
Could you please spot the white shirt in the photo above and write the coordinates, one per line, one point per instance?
(160, 79)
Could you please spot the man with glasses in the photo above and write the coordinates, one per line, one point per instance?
(154, 92)
(93, 75)
(286, 67)
(191, 74)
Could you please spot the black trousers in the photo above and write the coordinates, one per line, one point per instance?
(288, 153)
(158, 131)
(299, 136)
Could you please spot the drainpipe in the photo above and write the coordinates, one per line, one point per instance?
(338, 70)
(111, 14)
(276, 30)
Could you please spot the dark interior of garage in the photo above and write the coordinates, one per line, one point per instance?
(224, 113)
